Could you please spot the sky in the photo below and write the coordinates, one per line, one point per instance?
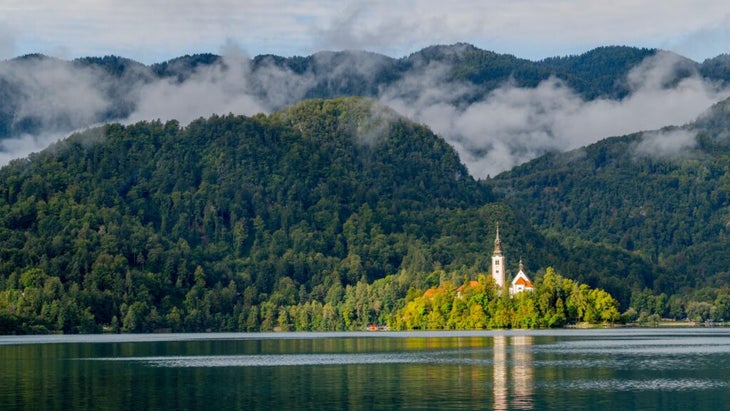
(153, 31)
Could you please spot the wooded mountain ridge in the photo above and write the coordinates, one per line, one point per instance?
(43, 94)
(331, 214)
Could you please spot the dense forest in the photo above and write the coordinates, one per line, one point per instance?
(667, 203)
(332, 214)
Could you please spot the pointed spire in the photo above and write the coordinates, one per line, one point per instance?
(522, 269)
(497, 243)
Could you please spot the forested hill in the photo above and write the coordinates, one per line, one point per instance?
(662, 195)
(220, 224)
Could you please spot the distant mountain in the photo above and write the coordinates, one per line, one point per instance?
(599, 72)
(41, 94)
(662, 195)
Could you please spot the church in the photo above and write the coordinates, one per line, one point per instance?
(521, 282)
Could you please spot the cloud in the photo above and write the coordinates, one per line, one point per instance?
(492, 133)
(57, 94)
(666, 143)
(18, 147)
(215, 89)
(512, 125)
(52, 96)
(235, 85)
(228, 86)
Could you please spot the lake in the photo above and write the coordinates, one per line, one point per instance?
(607, 369)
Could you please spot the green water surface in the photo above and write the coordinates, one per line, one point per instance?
(687, 369)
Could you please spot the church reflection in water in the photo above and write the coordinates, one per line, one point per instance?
(513, 372)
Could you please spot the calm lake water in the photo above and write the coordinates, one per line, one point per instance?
(667, 369)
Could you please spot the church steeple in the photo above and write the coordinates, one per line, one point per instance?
(497, 243)
(498, 273)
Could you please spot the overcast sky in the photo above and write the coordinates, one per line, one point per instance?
(157, 30)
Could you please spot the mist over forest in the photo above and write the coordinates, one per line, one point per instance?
(497, 110)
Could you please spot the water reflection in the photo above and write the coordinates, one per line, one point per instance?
(522, 372)
(500, 372)
(518, 363)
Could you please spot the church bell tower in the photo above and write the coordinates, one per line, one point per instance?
(498, 262)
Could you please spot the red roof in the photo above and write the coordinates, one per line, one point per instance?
(523, 281)
(431, 292)
(472, 283)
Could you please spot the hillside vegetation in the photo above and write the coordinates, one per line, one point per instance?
(663, 196)
(322, 216)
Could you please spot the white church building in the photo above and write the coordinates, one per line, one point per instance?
(521, 282)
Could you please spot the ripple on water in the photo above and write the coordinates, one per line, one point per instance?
(279, 360)
(659, 384)
(655, 363)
